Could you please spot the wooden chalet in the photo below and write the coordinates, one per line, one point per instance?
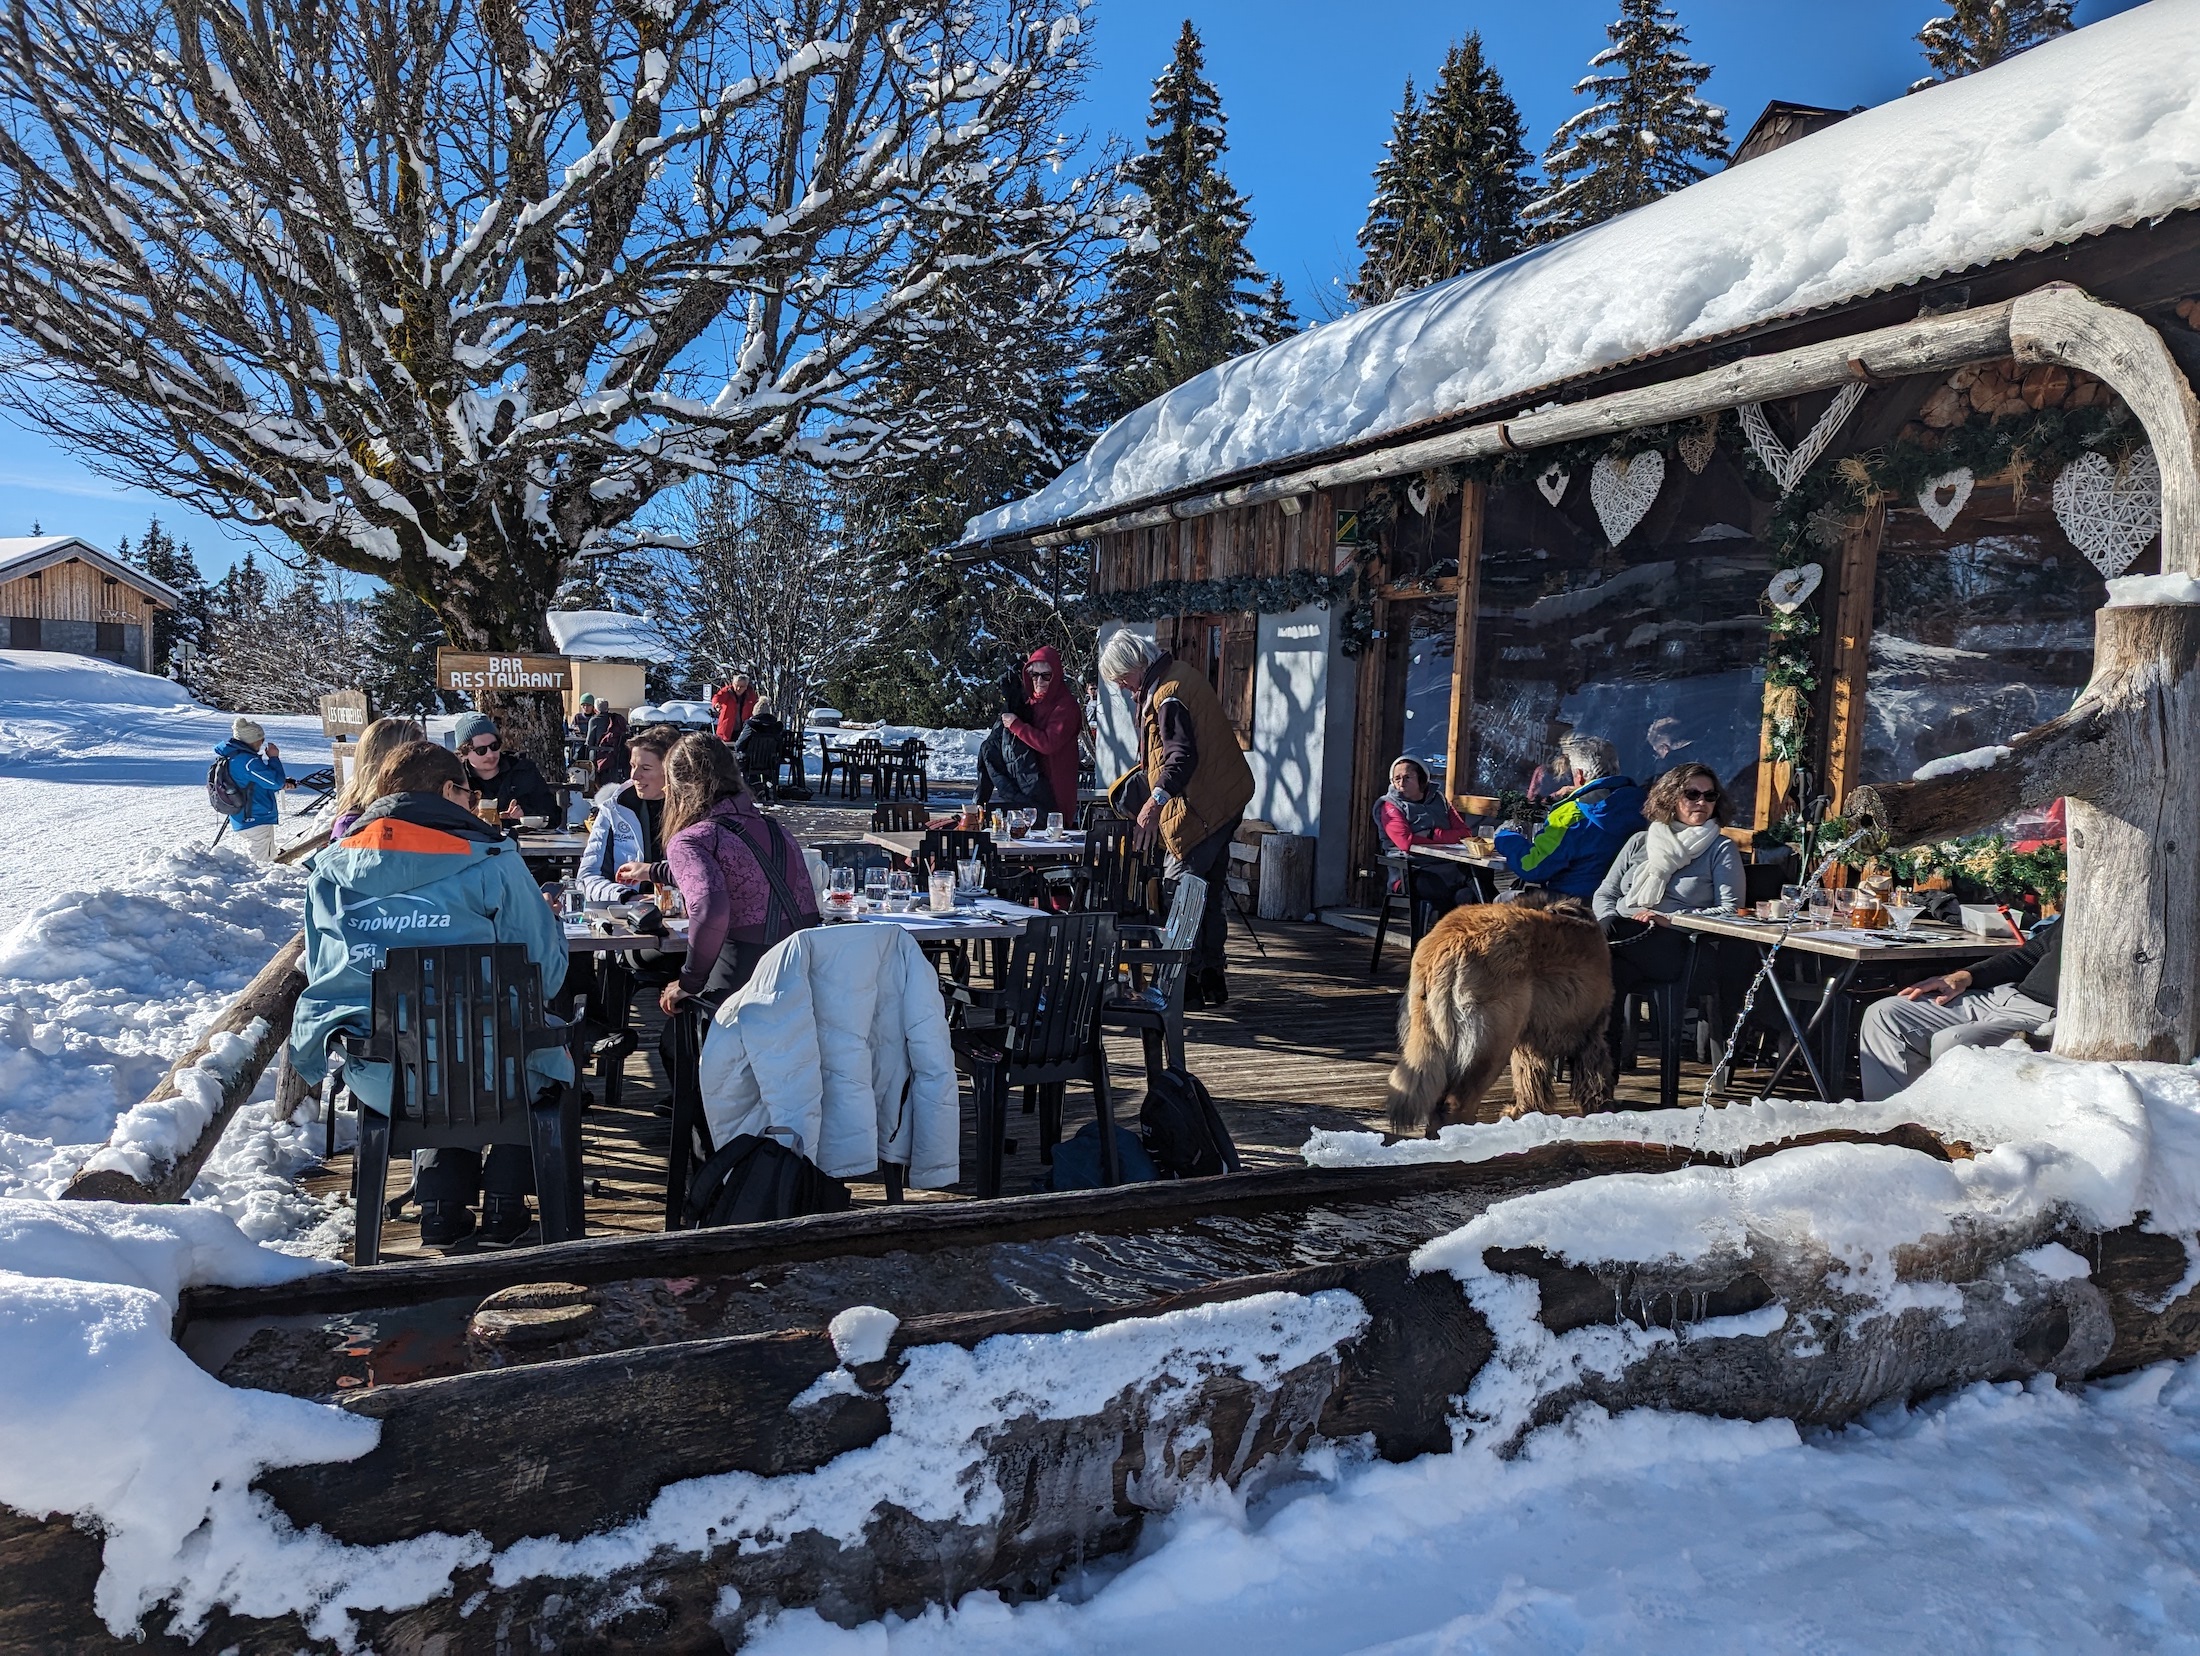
(1476, 604)
(61, 593)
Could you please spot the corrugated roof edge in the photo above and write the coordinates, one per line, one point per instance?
(56, 551)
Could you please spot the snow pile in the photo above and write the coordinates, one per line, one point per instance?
(861, 1334)
(699, 715)
(1955, 764)
(607, 635)
(951, 755)
(2088, 132)
(2138, 591)
(2002, 1518)
(103, 1418)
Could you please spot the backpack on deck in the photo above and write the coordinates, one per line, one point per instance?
(1077, 1160)
(756, 1178)
(1182, 1130)
(224, 792)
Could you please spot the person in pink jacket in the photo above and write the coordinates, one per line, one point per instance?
(1052, 730)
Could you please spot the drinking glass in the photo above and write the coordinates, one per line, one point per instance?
(1054, 825)
(874, 885)
(842, 897)
(1903, 908)
(1025, 817)
(970, 874)
(898, 896)
(941, 890)
(1821, 906)
(1844, 905)
(1791, 901)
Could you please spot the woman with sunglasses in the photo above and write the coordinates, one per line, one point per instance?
(1049, 724)
(1681, 861)
(510, 779)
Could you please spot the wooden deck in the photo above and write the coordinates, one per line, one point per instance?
(1305, 1042)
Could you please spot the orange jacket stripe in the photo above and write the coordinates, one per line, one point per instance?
(389, 834)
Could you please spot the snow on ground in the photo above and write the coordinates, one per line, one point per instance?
(2096, 129)
(129, 931)
(952, 754)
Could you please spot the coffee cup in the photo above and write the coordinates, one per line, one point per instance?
(531, 823)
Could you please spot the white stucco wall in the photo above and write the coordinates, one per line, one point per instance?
(1302, 735)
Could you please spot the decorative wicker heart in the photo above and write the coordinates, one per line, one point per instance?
(1791, 586)
(1700, 445)
(2110, 515)
(1788, 465)
(1623, 491)
(1552, 482)
(1417, 495)
(1958, 485)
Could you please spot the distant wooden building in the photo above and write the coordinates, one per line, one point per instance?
(61, 593)
(1401, 532)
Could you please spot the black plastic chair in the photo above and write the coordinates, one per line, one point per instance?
(456, 1025)
(1394, 862)
(945, 847)
(902, 771)
(1111, 878)
(1046, 1034)
(1154, 959)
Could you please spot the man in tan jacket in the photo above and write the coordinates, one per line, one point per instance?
(1191, 787)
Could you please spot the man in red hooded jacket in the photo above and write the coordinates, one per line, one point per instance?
(732, 703)
(1052, 730)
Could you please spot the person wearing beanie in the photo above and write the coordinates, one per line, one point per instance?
(510, 779)
(256, 769)
(577, 729)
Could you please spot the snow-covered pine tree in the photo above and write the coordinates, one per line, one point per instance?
(1977, 34)
(1450, 192)
(1645, 135)
(1002, 373)
(283, 642)
(447, 294)
(403, 635)
(1183, 293)
(190, 623)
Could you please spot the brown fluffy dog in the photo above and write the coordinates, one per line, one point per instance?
(1530, 980)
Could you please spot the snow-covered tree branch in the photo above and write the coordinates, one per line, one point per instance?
(447, 293)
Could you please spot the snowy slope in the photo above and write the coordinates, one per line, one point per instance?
(2097, 129)
(125, 934)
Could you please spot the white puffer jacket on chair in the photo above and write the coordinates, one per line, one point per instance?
(838, 1047)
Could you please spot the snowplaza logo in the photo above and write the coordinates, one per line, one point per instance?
(424, 921)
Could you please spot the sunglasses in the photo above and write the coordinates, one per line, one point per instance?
(1700, 797)
(1040, 673)
(493, 747)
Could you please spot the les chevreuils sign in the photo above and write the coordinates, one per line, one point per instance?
(470, 673)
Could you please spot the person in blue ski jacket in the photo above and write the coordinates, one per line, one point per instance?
(256, 767)
(420, 868)
(1578, 842)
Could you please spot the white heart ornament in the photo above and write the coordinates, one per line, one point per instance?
(1788, 465)
(1623, 491)
(1552, 483)
(2110, 515)
(1417, 496)
(1791, 586)
(1958, 483)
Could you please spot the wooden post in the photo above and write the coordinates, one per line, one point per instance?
(1286, 876)
(1473, 509)
(1848, 654)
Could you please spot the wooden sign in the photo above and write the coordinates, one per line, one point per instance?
(470, 673)
(345, 713)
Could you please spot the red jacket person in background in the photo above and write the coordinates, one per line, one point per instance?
(733, 702)
(1052, 730)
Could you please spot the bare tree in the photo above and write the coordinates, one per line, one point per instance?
(768, 584)
(447, 293)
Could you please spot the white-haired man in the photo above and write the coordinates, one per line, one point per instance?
(1191, 786)
(1588, 824)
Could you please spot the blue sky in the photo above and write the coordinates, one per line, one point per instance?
(1309, 87)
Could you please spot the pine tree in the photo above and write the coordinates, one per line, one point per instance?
(403, 634)
(1646, 134)
(1977, 34)
(1450, 192)
(1184, 292)
(191, 623)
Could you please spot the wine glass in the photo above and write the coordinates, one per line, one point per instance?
(1025, 817)
(1791, 901)
(1903, 908)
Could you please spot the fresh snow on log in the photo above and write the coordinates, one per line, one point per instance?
(2090, 131)
(1955, 764)
(2138, 591)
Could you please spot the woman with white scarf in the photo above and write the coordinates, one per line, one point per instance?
(1681, 861)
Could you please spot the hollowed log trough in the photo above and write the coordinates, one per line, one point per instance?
(598, 1373)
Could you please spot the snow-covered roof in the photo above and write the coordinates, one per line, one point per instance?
(2095, 130)
(21, 555)
(607, 635)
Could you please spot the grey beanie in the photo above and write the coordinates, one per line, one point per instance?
(471, 725)
(247, 731)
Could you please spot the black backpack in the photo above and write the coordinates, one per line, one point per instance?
(756, 1178)
(1182, 1130)
(224, 792)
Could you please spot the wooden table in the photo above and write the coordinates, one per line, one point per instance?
(1930, 947)
(559, 847)
(1071, 845)
(991, 917)
(585, 936)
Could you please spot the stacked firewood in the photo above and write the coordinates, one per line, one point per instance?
(2004, 389)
